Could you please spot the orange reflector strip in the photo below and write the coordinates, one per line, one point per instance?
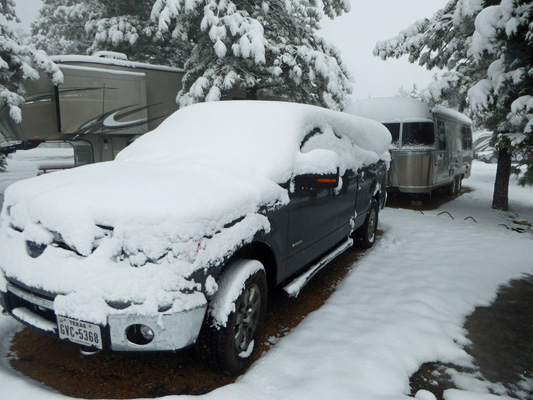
(324, 180)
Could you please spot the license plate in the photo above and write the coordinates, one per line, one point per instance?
(79, 332)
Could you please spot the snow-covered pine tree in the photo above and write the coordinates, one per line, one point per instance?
(253, 46)
(18, 63)
(87, 26)
(59, 26)
(487, 48)
(125, 26)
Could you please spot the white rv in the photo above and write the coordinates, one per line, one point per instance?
(430, 149)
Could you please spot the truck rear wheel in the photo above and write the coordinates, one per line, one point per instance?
(228, 345)
(365, 236)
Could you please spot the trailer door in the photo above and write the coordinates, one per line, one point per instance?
(443, 153)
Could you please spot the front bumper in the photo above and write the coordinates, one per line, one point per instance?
(172, 331)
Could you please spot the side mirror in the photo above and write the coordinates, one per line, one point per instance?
(316, 181)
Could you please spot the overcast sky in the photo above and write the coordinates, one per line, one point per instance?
(355, 34)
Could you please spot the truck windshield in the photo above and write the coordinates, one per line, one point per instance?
(418, 133)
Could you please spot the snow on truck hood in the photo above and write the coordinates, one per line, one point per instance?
(179, 198)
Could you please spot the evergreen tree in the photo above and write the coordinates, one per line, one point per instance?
(125, 26)
(487, 48)
(87, 26)
(59, 26)
(18, 63)
(268, 46)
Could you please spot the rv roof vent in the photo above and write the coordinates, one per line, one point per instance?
(111, 54)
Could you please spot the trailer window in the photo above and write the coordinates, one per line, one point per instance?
(394, 130)
(467, 137)
(441, 131)
(418, 133)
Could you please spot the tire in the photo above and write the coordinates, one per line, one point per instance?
(459, 184)
(452, 188)
(229, 347)
(365, 236)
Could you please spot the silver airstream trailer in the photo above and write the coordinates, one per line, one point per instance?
(430, 149)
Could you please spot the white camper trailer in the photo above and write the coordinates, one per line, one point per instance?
(430, 149)
(103, 104)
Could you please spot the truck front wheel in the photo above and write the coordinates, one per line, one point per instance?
(365, 236)
(234, 322)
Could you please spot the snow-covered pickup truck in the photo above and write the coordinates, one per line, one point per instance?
(177, 241)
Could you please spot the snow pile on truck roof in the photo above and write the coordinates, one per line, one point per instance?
(178, 200)
(262, 137)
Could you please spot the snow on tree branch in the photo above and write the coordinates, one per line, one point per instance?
(269, 45)
(87, 26)
(18, 63)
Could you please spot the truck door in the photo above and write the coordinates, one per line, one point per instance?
(313, 210)
(313, 220)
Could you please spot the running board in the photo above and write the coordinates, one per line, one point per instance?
(293, 288)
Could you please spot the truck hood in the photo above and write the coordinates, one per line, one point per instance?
(186, 201)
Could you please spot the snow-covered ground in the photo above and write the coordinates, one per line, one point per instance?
(403, 304)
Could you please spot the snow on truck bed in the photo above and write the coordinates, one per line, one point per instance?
(162, 204)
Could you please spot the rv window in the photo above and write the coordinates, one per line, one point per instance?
(394, 131)
(467, 137)
(441, 131)
(418, 133)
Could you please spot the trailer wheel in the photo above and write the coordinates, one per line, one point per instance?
(229, 347)
(452, 188)
(459, 184)
(365, 236)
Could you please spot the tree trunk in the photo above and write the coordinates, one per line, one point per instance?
(500, 199)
